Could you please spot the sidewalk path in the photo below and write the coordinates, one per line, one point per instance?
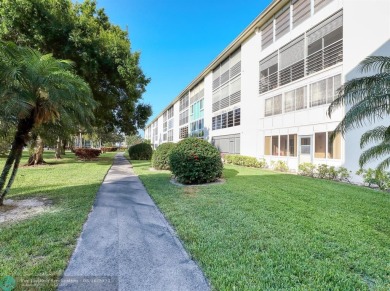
(127, 244)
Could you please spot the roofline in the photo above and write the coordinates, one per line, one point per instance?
(259, 21)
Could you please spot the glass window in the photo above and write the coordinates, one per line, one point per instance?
(230, 119)
(320, 145)
(283, 145)
(318, 93)
(292, 144)
(237, 117)
(300, 98)
(334, 147)
(275, 145)
(267, 146)
(289, 101)
(278, 104)
(306, 145)
(224, 120)
(268, 106)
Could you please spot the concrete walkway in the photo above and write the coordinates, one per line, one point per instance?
(127, 244)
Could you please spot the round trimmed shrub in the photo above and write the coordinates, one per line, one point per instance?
(160, 158)
(141, 151)
(195, 161)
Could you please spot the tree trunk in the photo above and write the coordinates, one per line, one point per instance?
(20, 140)
(58, 148)
(37, 156)
(64, 142)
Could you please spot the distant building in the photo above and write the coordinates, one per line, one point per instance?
(266, 95)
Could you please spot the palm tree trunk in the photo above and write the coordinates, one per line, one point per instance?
(58, 148)
(37, 157)
(64, 143)
(20, 140)
(13, 174)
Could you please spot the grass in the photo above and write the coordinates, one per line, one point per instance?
(42, 245)
(264, 230)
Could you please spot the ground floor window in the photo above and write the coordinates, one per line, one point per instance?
(183, 133)
(281, 145)
(325, 147)
(225, 120)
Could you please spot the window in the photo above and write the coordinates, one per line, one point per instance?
(283, 145)
(292, 61)
(267, 146)
(224, 120)
(320, 145)
(275, 145)
(237, 117)
(301, 11)
(216, 98)
(197, 92)
(325, 44)
(183, 132)
(325, 147)
(230, 119)
(324, 91)
(227, 69)
(184, 102)
(170, 112)
(282, 22)
(235, 91)
(319, 4)
(289, 101)
(170, 135)
(235, 63)
(292, 145)
(224, 97)
(306, 145)
(183, 117)
(268, 73)
(273, 105)
(334, 147)
(267, 34)
(300, 98)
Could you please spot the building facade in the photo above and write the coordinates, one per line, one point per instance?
(267, 94)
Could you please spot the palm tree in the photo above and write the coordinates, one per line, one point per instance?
(369, 100)
(37, 89)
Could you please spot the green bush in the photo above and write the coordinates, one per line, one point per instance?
(141, 151)
(244, 161)
(160, 158)
(322, 171)
(343, 174)
(195, 161)
(306, 169)
(280, 166)
(375, 177)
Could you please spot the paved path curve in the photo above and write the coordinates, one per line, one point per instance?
(127, 244)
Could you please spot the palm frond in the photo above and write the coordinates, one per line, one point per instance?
(375, 63)
(378, 134)
(374, 152)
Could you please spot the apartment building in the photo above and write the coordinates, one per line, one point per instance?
(266, 95)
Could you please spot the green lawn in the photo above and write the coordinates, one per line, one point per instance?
(264, 230)
(42, 245)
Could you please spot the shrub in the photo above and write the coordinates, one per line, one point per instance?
(375, 177)
(306, 169)
(195, 161)
(141, 151)
(343, 174)
(333, 173)
(244, 161)
(322, 171)
(280, 166)
(160, 158)
(86, 153)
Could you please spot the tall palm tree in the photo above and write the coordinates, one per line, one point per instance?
(369, 100)
(36, 89)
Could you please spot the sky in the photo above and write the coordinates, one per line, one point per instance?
(179, 39)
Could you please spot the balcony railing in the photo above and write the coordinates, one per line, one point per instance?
(326, 57)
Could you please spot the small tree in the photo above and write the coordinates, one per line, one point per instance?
(37, 89)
